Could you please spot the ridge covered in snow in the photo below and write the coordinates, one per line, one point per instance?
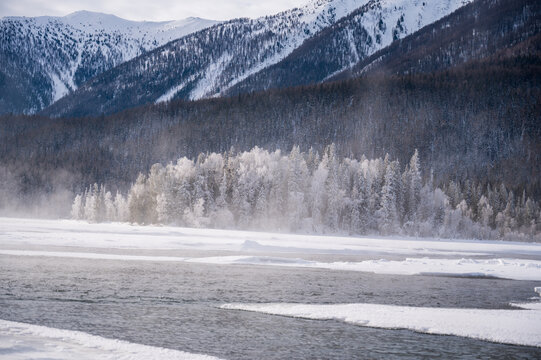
(232, 52)
(373, 26)
(290, 29)
(61, 53)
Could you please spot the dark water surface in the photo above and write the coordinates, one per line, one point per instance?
(175, 305)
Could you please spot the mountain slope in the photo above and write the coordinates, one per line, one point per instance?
(45, 58)
(372, 27)
(234, 53)
(205, 63)
(482, 29)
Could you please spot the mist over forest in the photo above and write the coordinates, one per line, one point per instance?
(486, 133)
(309, 193)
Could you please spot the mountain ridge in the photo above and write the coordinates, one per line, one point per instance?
(231, 52)
(44, 58)
(348, 42)
(506, 28)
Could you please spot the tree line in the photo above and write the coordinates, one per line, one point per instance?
(307, 192)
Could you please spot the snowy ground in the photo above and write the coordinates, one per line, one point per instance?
(119, 236)
(520, 327)
(20, 341)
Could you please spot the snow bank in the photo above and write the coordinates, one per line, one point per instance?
(24, 341)
(115, 235)
(520, 327)
(528, 306)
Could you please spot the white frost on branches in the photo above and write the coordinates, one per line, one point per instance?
(306, 192)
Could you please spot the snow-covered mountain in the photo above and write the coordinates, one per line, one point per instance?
(44, 58)
(223, 58)
(483, 30)
(370, 28)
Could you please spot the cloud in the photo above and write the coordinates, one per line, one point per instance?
(155, 10)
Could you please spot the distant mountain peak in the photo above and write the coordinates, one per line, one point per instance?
(88, 18)
(86, 14)
(44, 58)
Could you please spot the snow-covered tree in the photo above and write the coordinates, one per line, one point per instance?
(415, 185)
(121, 208)
(388, 213)
(296, 186)
(259, 189)
(77, 208)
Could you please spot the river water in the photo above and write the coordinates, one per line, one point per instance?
(175, 305)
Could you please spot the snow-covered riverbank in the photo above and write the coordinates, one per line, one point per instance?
(416, 256)
(116, 235)
(20, 341)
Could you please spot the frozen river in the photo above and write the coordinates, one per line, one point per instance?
(178, 304)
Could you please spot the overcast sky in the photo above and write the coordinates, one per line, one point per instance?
(152, 10)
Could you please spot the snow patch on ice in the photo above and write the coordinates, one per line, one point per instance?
(91, 256)
(20, 341)
(520, 327)
(535, 305)
(515, 269)
(254, 260)
(528, 306)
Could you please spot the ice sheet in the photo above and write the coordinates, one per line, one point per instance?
(520, 327)
(515, 269)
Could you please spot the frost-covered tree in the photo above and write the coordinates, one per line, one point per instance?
(388, 212)
(299, 192)
(141, 204)
(110, 210)
(91, 204)
(415, 185)
(121, 208)
(77, 209)
(319, 194)
(296, 186)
